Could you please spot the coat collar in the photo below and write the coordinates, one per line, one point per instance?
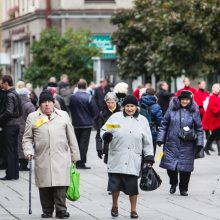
(175, 105)
(54, 114)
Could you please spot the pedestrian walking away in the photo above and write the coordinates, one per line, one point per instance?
(129, 135)
(181, 135)
(83, 111)
(51, 132)
(150, 109)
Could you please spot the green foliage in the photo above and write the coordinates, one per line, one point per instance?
(54, 55)
(168, 38)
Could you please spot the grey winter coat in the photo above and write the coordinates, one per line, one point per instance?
(27, 108)
(131, 136)
(179, 154)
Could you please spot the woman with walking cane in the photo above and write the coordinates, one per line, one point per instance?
(51, 131)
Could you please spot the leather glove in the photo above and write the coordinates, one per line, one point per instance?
(107, 137)
(100, 153)
(160, 143)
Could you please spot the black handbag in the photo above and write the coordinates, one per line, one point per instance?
(150, 180)
(187, 135)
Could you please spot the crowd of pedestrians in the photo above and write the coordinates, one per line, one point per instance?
(129, 128)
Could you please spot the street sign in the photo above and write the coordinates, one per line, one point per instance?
(103, 42)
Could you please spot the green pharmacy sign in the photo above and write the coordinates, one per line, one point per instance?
(104, 43)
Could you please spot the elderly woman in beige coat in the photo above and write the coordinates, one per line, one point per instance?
(51, 132)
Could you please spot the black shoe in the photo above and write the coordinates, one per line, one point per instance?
(206, 150)
(47, 215)
(114, 212)
(23, 168)
(62, 215)
(211, 149)
(82, 167)
(172, 189)
(134, 215)
(183, 193)
(6, 178)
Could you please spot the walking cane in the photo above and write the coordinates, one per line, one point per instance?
(30, 171)
(213, 191)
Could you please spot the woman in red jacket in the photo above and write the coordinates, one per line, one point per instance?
(211, 119)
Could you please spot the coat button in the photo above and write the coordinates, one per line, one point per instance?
(126, 163)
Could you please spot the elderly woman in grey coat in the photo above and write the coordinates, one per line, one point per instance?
(129, 135)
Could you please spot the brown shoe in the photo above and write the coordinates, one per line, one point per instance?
(134, 214)
(114, 212)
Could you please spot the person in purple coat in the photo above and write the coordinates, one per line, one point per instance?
(178, 157)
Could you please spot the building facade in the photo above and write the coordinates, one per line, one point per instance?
(23, 21)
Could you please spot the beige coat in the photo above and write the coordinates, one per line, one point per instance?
(52, 140)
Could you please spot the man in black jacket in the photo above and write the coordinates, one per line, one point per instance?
(83, 110)
(164, 96)
(9, 121)
(2, 157)
(100, 93)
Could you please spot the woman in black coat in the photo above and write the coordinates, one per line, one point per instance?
(183, 114)
(111, 106)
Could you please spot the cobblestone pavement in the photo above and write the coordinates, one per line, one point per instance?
(95, 203)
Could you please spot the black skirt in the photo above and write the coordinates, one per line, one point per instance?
(123, 182)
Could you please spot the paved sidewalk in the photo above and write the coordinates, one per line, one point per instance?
(95, 203)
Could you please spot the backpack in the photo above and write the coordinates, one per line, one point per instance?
(146, 112)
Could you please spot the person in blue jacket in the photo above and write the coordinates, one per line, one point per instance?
(83, 110)
(178, 157)
(152, 111)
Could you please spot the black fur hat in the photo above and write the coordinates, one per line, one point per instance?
(46, 95)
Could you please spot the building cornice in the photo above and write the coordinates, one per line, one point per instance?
(40, 14)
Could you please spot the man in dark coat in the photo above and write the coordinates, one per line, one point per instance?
(9, 121)
(164, 96)
(179, 154)
(83, 110)
(2, 157)
(100, 93)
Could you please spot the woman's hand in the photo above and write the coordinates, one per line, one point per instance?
(107, 137)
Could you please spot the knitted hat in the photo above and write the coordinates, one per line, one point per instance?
(112, 96)
(185, 94)
(46, 95)
(130, 99)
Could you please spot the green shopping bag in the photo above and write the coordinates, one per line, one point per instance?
(72, 192)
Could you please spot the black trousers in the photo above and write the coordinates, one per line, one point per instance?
(183, 176)
(2, 152)
(215, 136)
(10, 136)
(83, 136)
(53, 196)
